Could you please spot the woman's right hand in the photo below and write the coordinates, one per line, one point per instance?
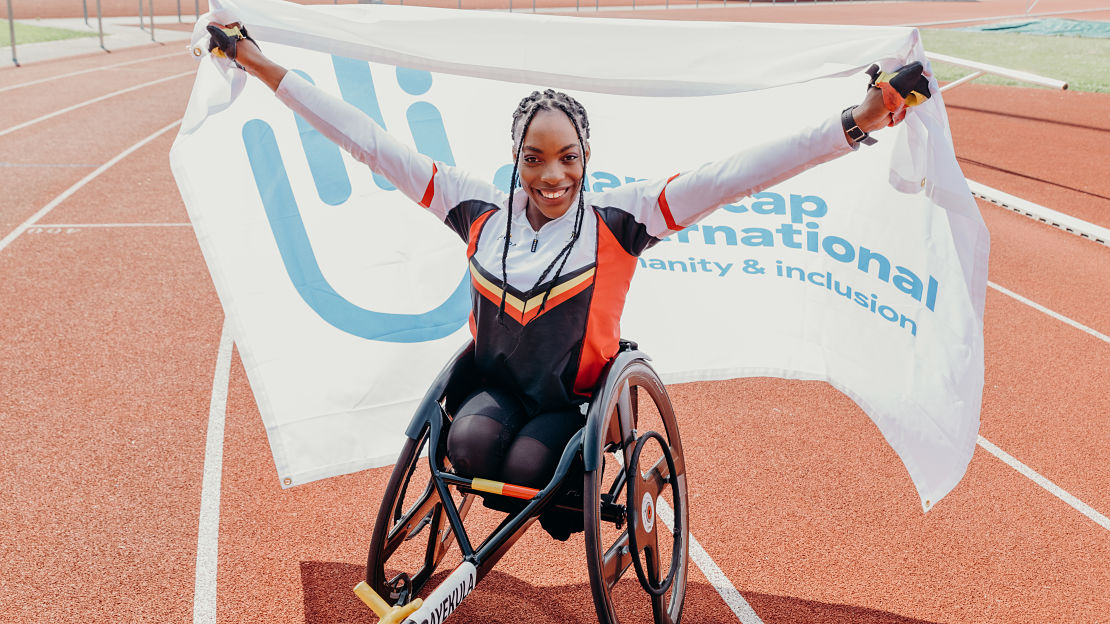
(224, 40)
(249, 57)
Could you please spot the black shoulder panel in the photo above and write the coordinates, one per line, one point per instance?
(632, 234)
(461, 217)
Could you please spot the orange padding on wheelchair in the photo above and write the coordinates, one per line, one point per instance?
(505, 489)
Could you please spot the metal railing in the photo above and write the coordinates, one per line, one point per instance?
(1036, 211)
(978, 69)
(149, 10)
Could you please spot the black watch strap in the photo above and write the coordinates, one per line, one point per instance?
(854, 132)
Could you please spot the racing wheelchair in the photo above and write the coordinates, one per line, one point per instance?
(632, 482)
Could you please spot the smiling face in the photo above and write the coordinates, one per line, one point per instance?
(551, 166)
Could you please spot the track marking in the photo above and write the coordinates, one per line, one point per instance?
(712, 571)
(1045, 215)
(110, 225)
(9, 164)
(1054, 489)
(1002, 17)
(208, 529)
(85, 71)
(92, 101)
(82, 182)
(1056, 315)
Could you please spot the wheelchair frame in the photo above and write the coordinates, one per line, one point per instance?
(609, 428)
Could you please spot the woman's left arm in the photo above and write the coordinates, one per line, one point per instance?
(687, 198)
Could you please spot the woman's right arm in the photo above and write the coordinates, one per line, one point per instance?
(435, 186)
(255, 62)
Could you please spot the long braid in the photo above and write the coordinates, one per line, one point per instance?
(527, 109)
(521, 110)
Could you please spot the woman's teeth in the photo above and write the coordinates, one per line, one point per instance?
(552, 194)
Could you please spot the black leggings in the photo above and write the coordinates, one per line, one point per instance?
(493, 438)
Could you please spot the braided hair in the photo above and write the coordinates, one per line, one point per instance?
(525, 112)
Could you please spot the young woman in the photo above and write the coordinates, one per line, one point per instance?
(551, 267)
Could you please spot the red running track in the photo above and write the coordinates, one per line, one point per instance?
(111, 331)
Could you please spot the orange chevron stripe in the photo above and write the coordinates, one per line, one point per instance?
(524, 311)
(558, 295)
(494, 297)
(665, 208)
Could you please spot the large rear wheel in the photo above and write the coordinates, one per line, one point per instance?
(653, 527)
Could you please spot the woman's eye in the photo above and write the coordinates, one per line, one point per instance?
(531, 159)
(570, 157)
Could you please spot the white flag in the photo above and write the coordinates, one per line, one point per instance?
(345, 298)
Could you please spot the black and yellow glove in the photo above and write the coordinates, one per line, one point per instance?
(902, 88)
(224, 41)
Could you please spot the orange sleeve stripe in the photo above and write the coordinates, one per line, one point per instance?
(665, 208)
(430, 192)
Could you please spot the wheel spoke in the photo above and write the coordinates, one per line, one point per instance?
(445, 533)
(659, 609)
(399, 513)
(658, 603)
(616, 561)
(649, 545)
(656, 479)
(618, 483)
(405, 528)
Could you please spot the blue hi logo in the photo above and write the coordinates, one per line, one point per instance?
(333, 186)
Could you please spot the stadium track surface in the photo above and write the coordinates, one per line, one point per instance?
(111, 331)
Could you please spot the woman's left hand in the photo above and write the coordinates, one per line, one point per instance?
(872, 114)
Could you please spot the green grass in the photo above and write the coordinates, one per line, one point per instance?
(1083, 62)
(26, 33)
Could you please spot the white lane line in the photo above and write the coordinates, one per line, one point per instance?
(208, 530)
(29, 165)
(82, 182)
(712, 571)
(93, 101)
(1056, 315)
(1045, 215)
(1054, 489)
(1004, 17)
(110, 225)
(86, 71)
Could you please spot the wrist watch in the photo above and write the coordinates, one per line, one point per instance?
(854, 132)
